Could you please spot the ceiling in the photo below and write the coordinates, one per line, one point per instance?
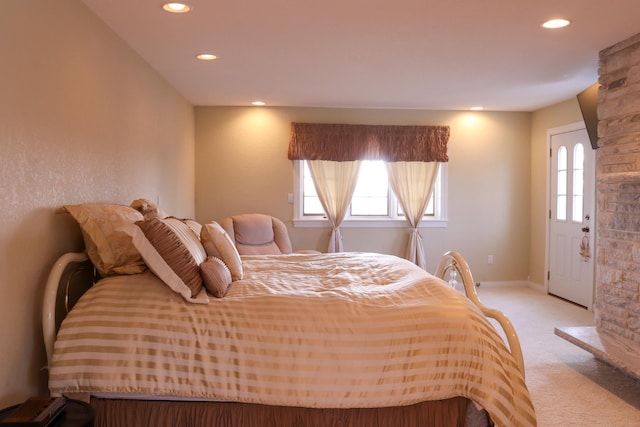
(415, 54)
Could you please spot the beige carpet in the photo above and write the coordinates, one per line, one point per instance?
(567, 385)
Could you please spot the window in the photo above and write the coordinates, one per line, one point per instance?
(373, 203)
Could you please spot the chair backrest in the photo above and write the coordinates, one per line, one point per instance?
(257, 234)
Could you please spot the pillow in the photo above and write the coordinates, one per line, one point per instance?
(106, 239)
(174, 253)
(215, 276)
(217, 243)
(194, 225)
(148, 209)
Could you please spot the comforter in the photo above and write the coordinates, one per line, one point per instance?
(313, 330)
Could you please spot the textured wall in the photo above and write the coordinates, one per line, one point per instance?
(617, 305)
(82, 119)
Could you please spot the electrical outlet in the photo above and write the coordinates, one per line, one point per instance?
(490, 260)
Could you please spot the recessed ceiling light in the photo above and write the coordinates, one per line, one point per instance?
(556, 23)
(477, 108)
(206, 57)
(258, 103)
(176, 7)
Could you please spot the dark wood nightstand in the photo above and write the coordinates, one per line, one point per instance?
(75, 414)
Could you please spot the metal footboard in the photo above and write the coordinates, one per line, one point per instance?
(453, 261)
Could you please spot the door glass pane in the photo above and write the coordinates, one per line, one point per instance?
(578, 182)
(561, 190)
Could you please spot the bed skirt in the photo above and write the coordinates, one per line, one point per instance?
(137, 413)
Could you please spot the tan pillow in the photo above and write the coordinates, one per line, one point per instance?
(215, 276)
(106, 237)
(174, 253)
(217, 243)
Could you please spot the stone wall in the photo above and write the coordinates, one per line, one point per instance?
(617, 301)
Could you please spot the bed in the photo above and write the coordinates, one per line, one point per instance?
(299, 339)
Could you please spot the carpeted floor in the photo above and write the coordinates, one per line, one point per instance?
(567, 385)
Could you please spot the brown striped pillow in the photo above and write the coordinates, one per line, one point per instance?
(215, 276)
(174, 253)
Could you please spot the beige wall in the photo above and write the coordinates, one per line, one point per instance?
(82, 119)
(556, 115)
(242, 166)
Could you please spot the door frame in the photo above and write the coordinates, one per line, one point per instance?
(550, 133)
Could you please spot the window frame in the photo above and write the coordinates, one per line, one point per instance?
(439, 220)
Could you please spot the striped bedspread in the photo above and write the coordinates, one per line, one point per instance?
(324, 330)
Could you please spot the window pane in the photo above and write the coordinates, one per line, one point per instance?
(312, 206)
(577, 208)
(578, 156)
(310, 202)
(309, 188)
(562, 158)
(561, 186)
(369, 206)
(562, 183)
(429, 211)
(578, 182)
(372, 191)
(561, 210)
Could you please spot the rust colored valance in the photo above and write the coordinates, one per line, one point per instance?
(342, 142)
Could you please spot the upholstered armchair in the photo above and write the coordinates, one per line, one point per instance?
(258, 234)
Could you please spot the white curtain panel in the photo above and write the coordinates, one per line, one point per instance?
(335, 183)
(412, 183)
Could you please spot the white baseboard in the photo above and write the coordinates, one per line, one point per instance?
(537, 287)
(504, 284)
(513, 284)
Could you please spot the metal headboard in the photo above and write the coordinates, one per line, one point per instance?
(69, 278)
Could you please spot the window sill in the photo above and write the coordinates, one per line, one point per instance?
(367, 223)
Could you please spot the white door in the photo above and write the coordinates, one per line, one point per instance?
(572, 221)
